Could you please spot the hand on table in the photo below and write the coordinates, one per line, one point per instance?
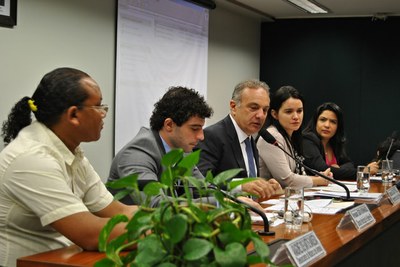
(263, 188)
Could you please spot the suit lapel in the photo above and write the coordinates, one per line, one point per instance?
(235, 145)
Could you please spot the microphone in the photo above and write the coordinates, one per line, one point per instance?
(271, 140)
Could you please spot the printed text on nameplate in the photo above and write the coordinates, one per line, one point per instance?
(305, 249)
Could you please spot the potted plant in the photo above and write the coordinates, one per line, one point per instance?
(183, 232)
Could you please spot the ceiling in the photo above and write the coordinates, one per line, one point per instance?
(270, 10)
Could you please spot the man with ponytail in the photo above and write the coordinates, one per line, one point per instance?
(50, 195)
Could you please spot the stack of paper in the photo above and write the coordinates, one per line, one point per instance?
(336, 191)
(353, 195)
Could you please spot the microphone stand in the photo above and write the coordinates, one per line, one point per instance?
(266, 230)
(316, 172)
(390, 147)
(329, 179)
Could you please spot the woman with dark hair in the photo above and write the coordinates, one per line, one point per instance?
(50, 194)
(324, 143)
(284, 121)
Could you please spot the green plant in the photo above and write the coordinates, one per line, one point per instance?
(182, 232)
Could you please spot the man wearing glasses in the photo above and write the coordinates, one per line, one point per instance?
(47, 186)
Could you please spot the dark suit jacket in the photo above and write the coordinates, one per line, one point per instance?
(220, 149)
(314, 157)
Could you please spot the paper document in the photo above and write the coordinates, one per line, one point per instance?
(317, 206)
(375, 178)
(378, 178)
(354, 195)
(352, 186)
(326, 206)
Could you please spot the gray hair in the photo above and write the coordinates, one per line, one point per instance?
(252, 84)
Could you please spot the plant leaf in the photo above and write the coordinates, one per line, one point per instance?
(105, 232)
(196, 248)
(209, 177)
(172, 157)
(114, 247)
(230, 233)
(105, 263)
(261, 247)
(153, 188)
(234, 255)
(189, 161)
(202, 230)
(129, 181)
(196, 182)
(223, 177)
(166, 264)
(238, 182)
(121, 194)
(139, 223)
(150, 251)
(176, 227)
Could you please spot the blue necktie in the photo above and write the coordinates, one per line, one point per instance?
(250, 158)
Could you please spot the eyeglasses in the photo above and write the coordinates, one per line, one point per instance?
(102, 108)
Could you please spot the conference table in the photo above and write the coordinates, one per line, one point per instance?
(376, 245)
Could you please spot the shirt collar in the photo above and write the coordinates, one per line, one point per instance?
(240, 134)
(166, 146)
(59, 145)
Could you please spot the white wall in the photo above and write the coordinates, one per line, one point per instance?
(81, 34)
(234, 55)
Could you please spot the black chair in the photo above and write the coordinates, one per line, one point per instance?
(396, 159)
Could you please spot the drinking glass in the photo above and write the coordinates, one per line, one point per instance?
(387, 170)
(294, 207)
(363, 175)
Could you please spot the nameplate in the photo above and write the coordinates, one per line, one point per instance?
(361, 216)
(393, 194)
(305, 249)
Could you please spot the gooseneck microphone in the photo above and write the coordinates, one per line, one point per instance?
(271, 140)
(266, 230)
(390, 147)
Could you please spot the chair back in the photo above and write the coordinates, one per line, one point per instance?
(396, 159)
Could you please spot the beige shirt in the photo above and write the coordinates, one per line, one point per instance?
(274, 163)
(41, 181)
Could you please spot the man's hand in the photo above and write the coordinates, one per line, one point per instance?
(277, 186)
(264, 189)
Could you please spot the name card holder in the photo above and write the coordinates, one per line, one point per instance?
(393, 194)
(301, 251)
(360, 215)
